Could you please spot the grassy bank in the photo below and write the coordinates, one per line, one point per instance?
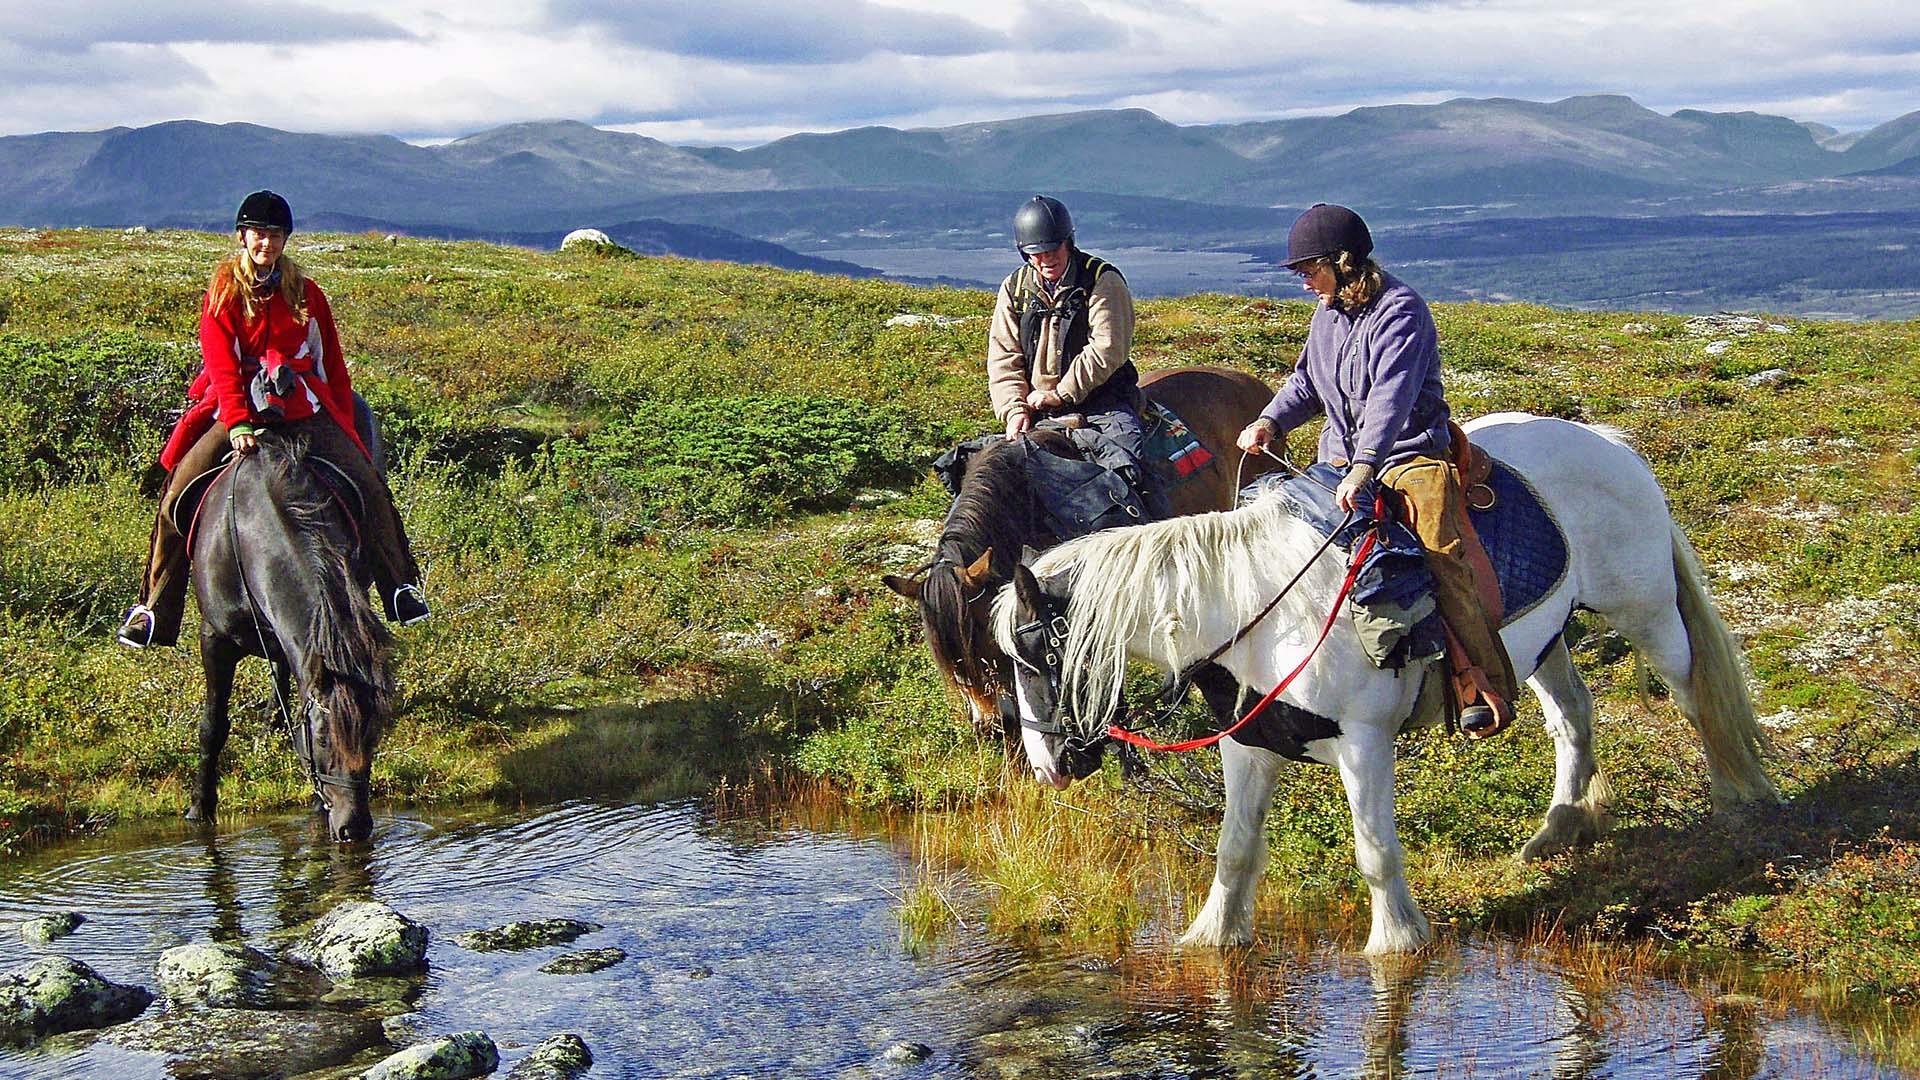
(654, 497)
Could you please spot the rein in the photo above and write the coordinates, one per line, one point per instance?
(1177, 692)
(300, 735)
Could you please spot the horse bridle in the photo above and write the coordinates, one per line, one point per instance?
(1044, 637)
(300, 735)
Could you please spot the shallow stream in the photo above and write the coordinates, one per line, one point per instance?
(770, 950)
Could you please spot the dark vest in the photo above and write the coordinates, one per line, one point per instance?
(1070, 304)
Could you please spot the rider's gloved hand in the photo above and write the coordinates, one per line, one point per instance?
(1352, 494)
(1019, 422)
(1255, 436)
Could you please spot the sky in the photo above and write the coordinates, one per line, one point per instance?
(745, 72)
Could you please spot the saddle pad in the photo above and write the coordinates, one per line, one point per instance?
(1169, 440)
(1523, 541)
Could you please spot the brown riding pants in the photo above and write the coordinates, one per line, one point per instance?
(1435, 511)
(389, 554)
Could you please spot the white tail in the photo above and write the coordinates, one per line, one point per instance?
(1717, 682)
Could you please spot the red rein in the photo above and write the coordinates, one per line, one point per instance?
(1353, 571)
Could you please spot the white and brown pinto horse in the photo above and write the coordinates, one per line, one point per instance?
(1170, 592)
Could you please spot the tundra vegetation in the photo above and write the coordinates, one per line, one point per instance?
(654, 498)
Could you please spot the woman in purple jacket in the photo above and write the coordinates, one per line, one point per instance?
(1372, 366)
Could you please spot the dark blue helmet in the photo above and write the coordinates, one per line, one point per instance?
(1041, 225)
(1325, 230)
(264, 209)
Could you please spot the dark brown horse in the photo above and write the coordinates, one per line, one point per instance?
(278, 574)
(995, 517)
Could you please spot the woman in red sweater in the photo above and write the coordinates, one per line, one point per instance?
(270, 356)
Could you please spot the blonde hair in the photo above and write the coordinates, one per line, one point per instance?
(1363, 279)
(237, 279)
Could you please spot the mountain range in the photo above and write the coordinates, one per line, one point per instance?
(1131, 177)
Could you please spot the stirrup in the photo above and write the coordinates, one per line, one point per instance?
(409, 605)
(132, 637)
(1486, 718)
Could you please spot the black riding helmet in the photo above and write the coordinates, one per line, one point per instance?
(1325, 230)
(1041, 225)
(264, 209)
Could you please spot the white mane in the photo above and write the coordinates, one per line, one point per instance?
(1141, 590)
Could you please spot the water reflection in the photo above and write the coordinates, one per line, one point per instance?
(756, 950)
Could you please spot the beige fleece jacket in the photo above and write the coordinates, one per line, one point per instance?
(1074, 378)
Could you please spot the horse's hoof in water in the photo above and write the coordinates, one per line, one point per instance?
(194, 813)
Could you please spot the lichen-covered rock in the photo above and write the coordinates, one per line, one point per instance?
(246, 1043)
(584, 962)
(531, 934)
(55, 994)
(49, 928)
(558, 1057)
(593, 241)
(232, 977)
(456, 1057)
(364, 937)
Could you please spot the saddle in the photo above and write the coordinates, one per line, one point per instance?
(186, 508)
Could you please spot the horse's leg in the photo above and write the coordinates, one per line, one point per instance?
(1227, 917)
(1580, 792)
(1683, 638)
(218, 658)
(1365, 754)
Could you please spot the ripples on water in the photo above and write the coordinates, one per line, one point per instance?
(756, 951)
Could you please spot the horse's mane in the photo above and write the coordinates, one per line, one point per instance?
(993, 512)
(1129, 586)
(347, 669)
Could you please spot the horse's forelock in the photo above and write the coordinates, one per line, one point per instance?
(949, 622)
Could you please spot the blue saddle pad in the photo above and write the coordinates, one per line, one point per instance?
(1524, 543)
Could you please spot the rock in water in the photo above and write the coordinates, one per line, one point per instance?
(49, 928)
(558, 1057)
(525, 935)
(364, 937)
(456, 1057)
(233, 977)
(54, 994)
(584, 962)
(250, 1042)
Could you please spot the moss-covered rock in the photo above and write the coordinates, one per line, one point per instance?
(456, 1057)
(364, 937)
(50, 928)
(532, 934)
(557, 1057)
(584, 962)
(240, 1044)
(233, 977)
(55, 994)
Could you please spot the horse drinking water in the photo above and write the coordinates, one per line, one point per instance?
(1171, 592)
(996, 515)
(278, 574)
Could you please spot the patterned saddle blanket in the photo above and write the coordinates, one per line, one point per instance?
(1393, 594)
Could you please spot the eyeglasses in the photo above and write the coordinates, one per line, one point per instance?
(1306, 269)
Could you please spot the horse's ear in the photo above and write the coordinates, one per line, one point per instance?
(1028, 553)
(973, 575)
(904, 585)
(1026, 588)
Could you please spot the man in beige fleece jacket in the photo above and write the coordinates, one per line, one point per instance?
(1060, 338)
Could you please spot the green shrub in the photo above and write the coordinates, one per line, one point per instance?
(86, 406)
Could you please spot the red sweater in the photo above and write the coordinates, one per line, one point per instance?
(233, 347)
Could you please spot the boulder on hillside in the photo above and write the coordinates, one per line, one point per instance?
(593, 242)
(242, 1044)
(225, 976)
(558, 1057)
(364, 937)
(55, 994)
(49, 928)
(456, 1057)
(530, 934)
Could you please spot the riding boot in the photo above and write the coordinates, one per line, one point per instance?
(163, 588)
(1430, 490)
(389, 554)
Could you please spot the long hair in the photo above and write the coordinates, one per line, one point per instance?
(237, 279)
(1360, 280)
(346, 662)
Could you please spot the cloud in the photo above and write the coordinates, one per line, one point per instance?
(1067, 26)
(779, 31)
(82, 26)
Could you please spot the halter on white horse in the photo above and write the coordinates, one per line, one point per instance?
(1170, 592)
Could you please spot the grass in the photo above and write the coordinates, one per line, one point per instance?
(650, 578)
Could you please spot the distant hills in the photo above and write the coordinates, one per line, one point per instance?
(1132, 178)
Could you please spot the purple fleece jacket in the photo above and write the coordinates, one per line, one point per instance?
(1381, 394)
